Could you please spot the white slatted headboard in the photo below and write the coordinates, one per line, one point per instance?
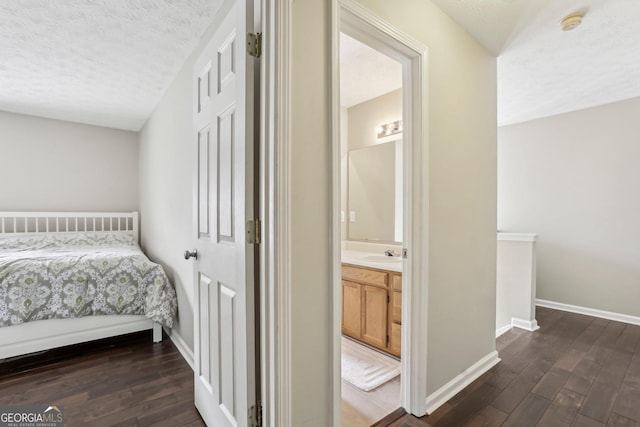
(12, 223)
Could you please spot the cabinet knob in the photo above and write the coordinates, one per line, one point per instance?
(191, 254)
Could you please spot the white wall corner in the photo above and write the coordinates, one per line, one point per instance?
(503, 330)
(181, 345)
(453, 387)
(527, 325)
(617, 317)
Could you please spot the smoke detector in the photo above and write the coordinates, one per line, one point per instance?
(570, 22)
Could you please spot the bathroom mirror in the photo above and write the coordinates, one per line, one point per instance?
(374, 198)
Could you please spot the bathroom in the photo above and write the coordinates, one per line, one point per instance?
(371, 217)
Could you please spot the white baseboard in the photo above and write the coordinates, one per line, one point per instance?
(182, 346)
(618, 317)
(527, 325)
(453, 387)
(503, 330)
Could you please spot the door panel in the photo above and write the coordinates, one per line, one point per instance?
(374, 316)
(203, 181)
(227, 367)
(224, 145)
(204, 326)
(223, 85)
(351, 309)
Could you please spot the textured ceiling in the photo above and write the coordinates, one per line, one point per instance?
(101, 62)
(365, 73)
(108, 62)
(543, 71)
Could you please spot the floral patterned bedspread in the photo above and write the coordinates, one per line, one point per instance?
(80, 274)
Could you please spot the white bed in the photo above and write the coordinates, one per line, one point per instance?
(51, 333)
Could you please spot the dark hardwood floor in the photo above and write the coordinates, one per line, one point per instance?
(574, 371)
(131, 383)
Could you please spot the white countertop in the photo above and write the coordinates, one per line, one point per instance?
(372, 260)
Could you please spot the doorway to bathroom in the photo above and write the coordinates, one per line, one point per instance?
(371, 232)
(380, 210)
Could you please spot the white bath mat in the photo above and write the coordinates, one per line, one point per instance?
(366, 368)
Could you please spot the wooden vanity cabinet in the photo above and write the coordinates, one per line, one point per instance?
(372, 306)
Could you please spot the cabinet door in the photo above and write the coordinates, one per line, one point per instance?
(396, 306)
(396, 282)
(351, 309)
(394, 339)
(395, 319)
(374, 316)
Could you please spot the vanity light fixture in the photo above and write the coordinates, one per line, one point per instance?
(389, 129)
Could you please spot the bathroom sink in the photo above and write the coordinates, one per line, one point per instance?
(381, 258)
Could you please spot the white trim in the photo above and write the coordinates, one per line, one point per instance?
(503, 330)
(267, 392)
(367, 16)
(336, 227)
(359, 22)
(272, 381)
(278, 283)
(181, 345)
(609, 315)
(453, 387)
(527, 325)
(517, 237)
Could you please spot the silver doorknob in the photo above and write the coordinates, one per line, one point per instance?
(191, 254)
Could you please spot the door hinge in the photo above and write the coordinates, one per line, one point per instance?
(254, 44)
(255, 415)
(404, 252)
(254, 232)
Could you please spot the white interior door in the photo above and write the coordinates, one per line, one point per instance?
(225, 373)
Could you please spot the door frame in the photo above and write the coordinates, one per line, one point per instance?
(357, 21)
(275, 208)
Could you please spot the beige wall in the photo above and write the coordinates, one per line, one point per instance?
(462, 186)
(310, 194)
(365, 117)
(574, 180)
(53, 165)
